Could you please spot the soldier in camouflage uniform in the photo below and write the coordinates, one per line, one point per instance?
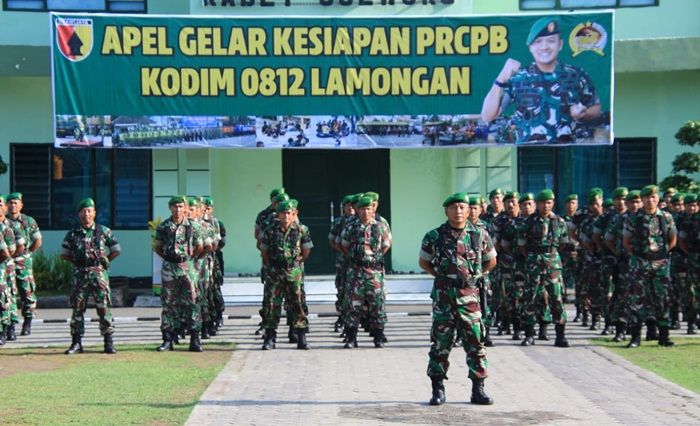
(457, 253)
(90, 247)
(202, 263)
(15, 244)
(569, 257)
(679, 262)
(613, 239)
(26, 227)
(493, 279)
(550, 98)
(285, 245)
(365, 242)
(608, 265)
(503, 236)
(539, 239)
(689, 242)
(340, 261)
(648, 236)
(216, 304)
(179, 241)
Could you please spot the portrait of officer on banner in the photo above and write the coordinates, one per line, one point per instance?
(548, 101)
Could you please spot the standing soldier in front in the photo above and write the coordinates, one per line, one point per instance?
(179, 241)
(689, 242)
(365, 242)
(90, 247)
(285, 245)
(27, 228)
(649, 236)
(457, 254)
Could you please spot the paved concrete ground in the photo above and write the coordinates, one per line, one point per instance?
(332, 385)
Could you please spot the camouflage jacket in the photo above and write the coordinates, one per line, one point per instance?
(690, 233)
(263, 220)
(7, 241)
(366, 243)
(284, 246)
(649, 234)
(458, 253)
(87, 247)
(570, 249)
(503, 235)
(542, 236)
(601, 224)
(613, 233)
(334, 234)
(178, 241)
(542, 101)
(25, 227)
(583, 223)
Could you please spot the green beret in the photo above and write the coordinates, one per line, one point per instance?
(2, 198)
(87, 202)
(678, 197)
(346, 199)
(280, 198)
(364, 201)
(691, 198)
(543, 27)
(651, 190)
(284, 206)
(294, 203)
(275, 192)
(457, 197)
(495, 192)
(528, 196)
(620, 192)
(177, 199)
(545, 195)
(475, 200)
(208, 201)
(571, 197)
(593, 195)
(511, 195)
(373, 195)
(608, 202)
(634, 194)
(596, 190)
(668, 191)
(14, 196)
(192, 200)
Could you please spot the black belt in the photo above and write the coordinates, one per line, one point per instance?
(458, 282)
(657, 255)
(369, 263)
(176, 259)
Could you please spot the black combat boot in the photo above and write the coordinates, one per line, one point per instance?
(636, 336)
(301, 339)
(378, 338)
(3, 334)
(577, 318)
(292, 335)
(478, 395)
(26, 327)
(351, 334)
(606, 326)
(651, 330)
(560, 340)
(595, 321)
(619, 332)
(213, 328)
(691, 324)
(76, 347)
(11, 335)
(517, 333)
(542, 335)
(584, 319)
(205, 330)
(167, 344)
(529, 336)
(675, 323)
(487, 338)
(195, 344)
(664, 340)
(270, 339)
(338, 324)
(109, 345)
(438, 397)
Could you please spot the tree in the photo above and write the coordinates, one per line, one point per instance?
(687, 163)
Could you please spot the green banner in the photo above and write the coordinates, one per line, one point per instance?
(151, 81)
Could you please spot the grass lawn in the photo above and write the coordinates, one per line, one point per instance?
(679, 364)
(135, 386)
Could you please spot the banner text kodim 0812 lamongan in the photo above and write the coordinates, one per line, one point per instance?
(150, 81)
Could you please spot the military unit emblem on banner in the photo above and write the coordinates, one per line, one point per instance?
(588, 36)
(74, 38)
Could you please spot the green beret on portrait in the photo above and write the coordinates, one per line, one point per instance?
(528, 196)
(457, 197)
(678, 197)
(86, 202)
(275, 192)
(543, 27)
(690, 198)
(633, 195)
(208, 201)
(620, 192)
(14, 196)
(280, 198)
(346, 199)
(571, 197)
(651, 190)
(284, 206)
(496, 192)
(669, 191)
(545, 195)
(511, 195)
(373, 195)
(177, 199)
(608, 202)
(364, 202)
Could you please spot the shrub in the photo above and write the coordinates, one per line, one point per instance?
(51, 273)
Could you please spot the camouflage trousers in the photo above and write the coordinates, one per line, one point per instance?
(491, 308)
(26, 286)
(217, 302)
(289, 311)
(179, 298)
(679, 275)
(499, 302)
(542, 298)
(621, 302)
(204, 287)
(265, 279)
(607, 269)
(90, 281)
(649, 292)
(339, 284)
(591, 286)
(285, 283)
(691, 290)
(514, 287)
(10, 273)
(456, 308)
(366, 298)
(5, 296)
(569, 274)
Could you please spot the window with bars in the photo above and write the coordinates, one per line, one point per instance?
(54, 180)
(116, 6)
(583, 4)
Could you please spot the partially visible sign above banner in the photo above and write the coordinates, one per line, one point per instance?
(150, 81)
